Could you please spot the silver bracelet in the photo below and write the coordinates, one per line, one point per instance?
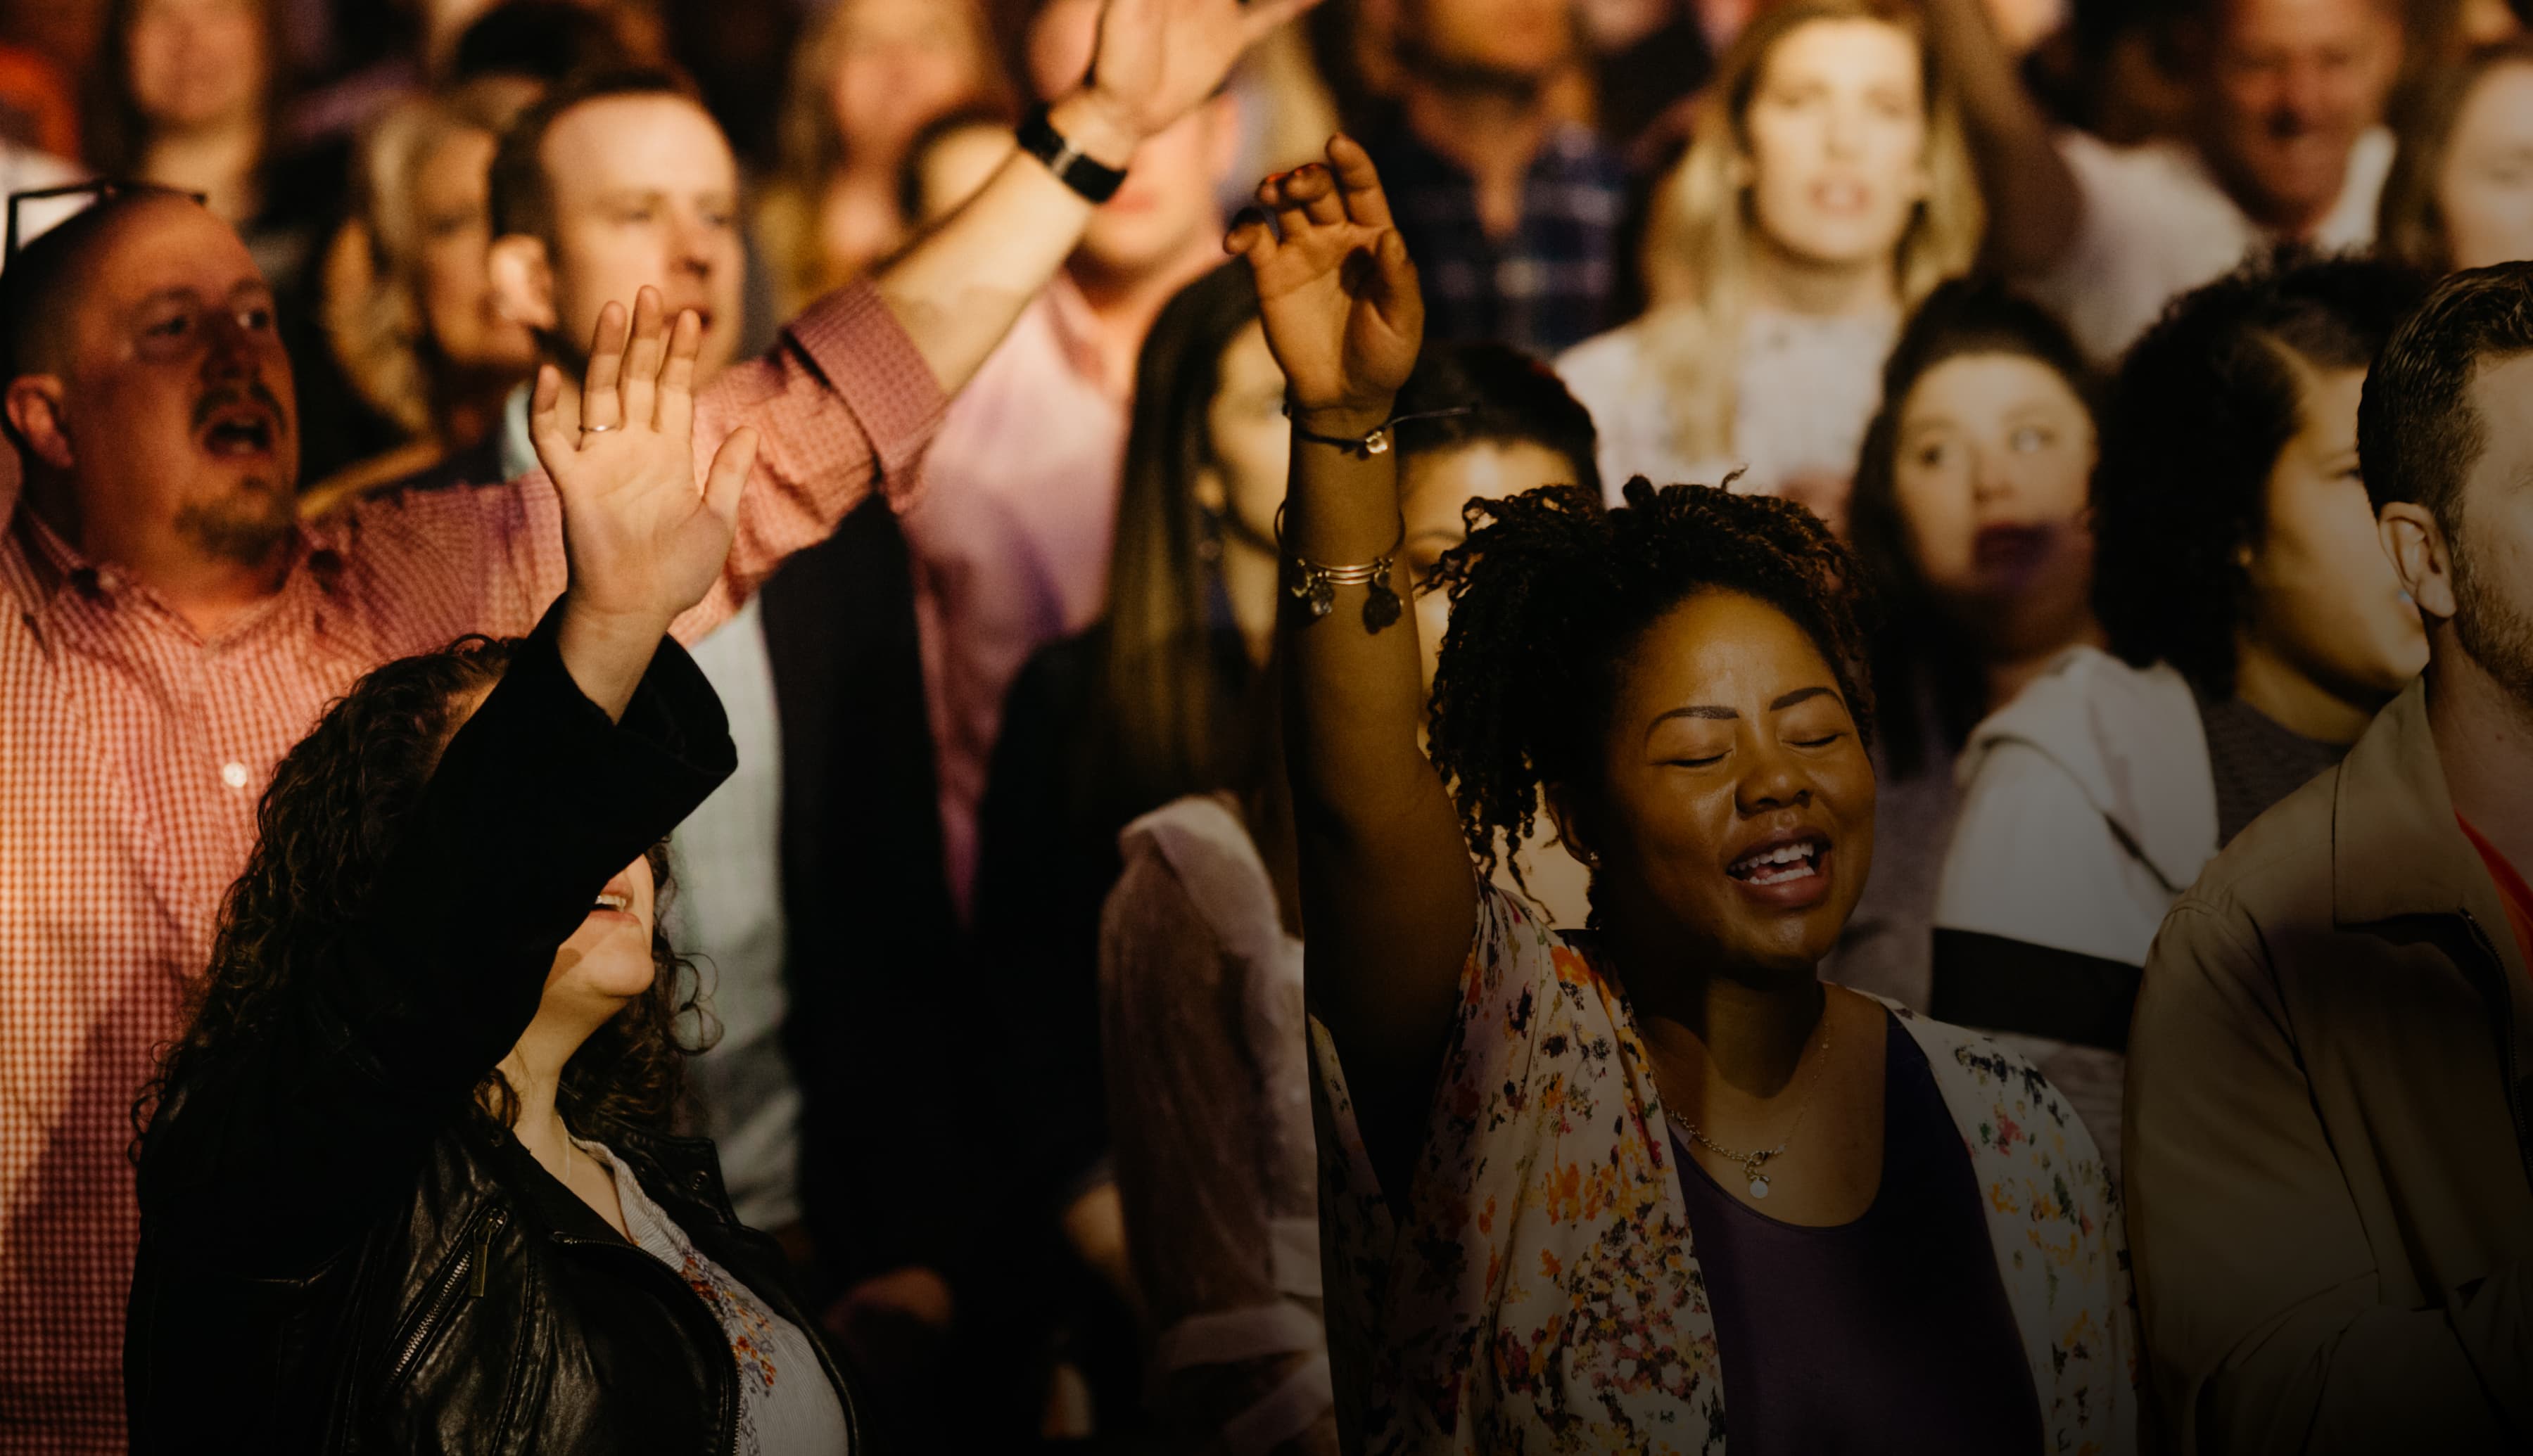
(1316, 585)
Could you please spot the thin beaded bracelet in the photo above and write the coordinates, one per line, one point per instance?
(1315, 586)
(1376, 441)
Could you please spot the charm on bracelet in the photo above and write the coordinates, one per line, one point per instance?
(1314, 585)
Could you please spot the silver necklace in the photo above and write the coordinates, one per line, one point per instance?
(1754, 1164)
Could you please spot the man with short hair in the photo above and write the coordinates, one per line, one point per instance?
(2286, 145)
(2329, 1123)
(1510, 209)
(170, 628)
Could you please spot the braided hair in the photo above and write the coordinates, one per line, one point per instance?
(1550, 596)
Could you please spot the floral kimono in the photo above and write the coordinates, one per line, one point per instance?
(1542, 1293)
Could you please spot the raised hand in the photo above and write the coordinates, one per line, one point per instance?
(1342, 308)
(645, 540)
(1158, 58)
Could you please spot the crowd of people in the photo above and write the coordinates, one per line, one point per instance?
(679, 681)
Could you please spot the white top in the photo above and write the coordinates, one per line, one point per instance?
(786, 1406)
(1805, 390)
(729, 909)
(728, 912)
(2156, 224)
(2088, 806)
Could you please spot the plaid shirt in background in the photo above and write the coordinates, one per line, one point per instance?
(1544, 287)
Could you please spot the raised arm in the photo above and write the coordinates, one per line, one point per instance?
(1389, 895)
(957, 290)
(852, 397)
(2034, 203)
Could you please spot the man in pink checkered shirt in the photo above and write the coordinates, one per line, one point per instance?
(169, 628)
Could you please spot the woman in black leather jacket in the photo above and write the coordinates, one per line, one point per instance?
(406, 1185)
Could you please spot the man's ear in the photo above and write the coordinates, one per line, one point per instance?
(35, 405)
(1566, 812)
(2421, 556)
(523, 281)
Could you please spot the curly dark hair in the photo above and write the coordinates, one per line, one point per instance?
(1550, 596)
(323, 829)
(1920, 652)
(2201, 408)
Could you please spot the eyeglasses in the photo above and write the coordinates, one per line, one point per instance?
(103, 189)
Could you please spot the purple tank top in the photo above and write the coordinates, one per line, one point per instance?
(1889, 1334)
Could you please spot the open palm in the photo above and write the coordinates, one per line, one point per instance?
(644, 539)
(1342, 308)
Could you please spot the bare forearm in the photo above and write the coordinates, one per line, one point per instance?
(2034, 203)
(958, 289)
(606, 653)
(1387, 888)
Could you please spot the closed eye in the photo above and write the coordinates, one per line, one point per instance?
(1697, 763)
(1822, 742)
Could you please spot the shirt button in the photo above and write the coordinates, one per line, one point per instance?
(233, 775)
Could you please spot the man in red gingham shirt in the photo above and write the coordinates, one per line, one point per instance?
(167, 628)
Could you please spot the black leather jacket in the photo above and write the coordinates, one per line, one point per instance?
(339, 1253)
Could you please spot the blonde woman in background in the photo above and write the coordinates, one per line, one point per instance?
(869, 76)
(408, 300)
(1829, 188)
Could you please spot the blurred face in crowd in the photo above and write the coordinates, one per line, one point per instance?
(1737, 812)
(2291, 85)
(452, 274)
(1434, 486)
(1517, 42)
(2483, 193)
(2492, 583)
(196, 63)
(645, 193)
(2325, 604)
(1994, 456)
(1836, 136)
(166, 401)
(1249, 438)
(1167, 211)
(898, 64)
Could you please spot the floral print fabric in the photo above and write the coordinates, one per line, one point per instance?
(1537, 1289)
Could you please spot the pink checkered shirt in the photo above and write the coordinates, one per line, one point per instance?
(132, 753)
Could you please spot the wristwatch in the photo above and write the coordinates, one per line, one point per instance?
(1039, 138)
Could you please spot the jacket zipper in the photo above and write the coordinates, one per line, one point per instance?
(473, 1254)
(2505, 1041)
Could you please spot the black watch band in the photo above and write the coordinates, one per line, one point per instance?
(1039, 138)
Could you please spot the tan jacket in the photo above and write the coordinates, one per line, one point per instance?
(2330, 1204)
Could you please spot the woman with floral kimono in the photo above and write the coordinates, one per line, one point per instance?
(1591, 1193)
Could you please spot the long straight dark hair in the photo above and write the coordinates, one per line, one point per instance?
(1921, 657)
(1165, 722)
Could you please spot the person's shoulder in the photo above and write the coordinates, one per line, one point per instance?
(1973, 1065)
(1606, 363)
(1198, 850)
(2278, 869)
(2086, 701)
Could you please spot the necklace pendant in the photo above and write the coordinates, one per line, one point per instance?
(1758, 1185)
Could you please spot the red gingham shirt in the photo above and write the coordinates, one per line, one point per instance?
(133, 752)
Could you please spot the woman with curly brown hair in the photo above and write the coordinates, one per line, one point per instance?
(1593, 1193)
(407, 1183)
